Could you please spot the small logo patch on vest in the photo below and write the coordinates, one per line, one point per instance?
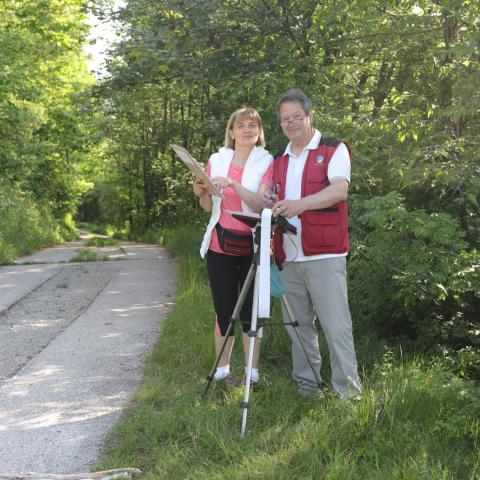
(319, 159)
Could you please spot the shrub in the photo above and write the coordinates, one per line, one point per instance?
(24, 225)
(411, 274)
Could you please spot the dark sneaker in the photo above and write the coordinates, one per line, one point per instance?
(254, 386)
(227, 382)
(356, 398)
(311, 393)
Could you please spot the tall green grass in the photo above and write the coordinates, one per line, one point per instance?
(415, 420)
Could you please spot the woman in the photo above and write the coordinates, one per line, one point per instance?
(240, 170)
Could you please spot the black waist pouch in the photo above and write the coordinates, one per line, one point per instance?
(234, 241)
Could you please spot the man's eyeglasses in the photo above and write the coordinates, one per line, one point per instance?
(291, 120)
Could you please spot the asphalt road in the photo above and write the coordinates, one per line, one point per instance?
(73, 339)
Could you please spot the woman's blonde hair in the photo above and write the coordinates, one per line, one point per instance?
(240, 114)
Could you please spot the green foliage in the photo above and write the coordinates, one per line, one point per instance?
(7, 253)
(410, 273)
(67, 229)
(47, 131)
(25, 226)
(400, 82)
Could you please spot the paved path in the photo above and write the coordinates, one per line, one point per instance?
(81, 333)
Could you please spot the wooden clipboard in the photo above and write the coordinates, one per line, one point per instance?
(197, 169)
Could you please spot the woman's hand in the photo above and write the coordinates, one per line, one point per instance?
(199, 188)
(201, 191)
(223, 182)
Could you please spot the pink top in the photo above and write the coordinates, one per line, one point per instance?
(233, 202)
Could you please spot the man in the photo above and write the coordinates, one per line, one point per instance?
(311, 179)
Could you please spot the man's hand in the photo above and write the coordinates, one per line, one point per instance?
(269, 198)
(289, 208)
(334, 193)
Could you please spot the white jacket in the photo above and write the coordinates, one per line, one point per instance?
(255, 168)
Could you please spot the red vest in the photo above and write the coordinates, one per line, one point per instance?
(325, 230)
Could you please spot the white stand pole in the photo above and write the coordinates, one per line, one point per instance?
(251, 347)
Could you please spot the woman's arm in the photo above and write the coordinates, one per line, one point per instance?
(252, 199)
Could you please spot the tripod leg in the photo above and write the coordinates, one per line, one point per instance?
(295, 325)
(251, 346)
(235, 317)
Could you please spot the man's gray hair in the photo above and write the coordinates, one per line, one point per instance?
(294, 95)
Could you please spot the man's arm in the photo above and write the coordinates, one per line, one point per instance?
(334, 193)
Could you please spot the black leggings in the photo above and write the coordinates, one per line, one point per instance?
(227, 273)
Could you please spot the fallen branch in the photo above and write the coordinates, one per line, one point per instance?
(105, 475)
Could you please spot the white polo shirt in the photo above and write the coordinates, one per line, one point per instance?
(339, 167)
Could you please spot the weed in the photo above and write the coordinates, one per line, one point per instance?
(87, 255)
(101, 242)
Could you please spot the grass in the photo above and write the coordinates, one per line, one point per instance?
(101, 242)
(415, 420)
(87, 255)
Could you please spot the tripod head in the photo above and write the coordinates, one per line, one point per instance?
(278, 224)
(253, 219)
(283, 224)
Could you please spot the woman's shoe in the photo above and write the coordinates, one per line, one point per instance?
(254, 386)
(227, 382)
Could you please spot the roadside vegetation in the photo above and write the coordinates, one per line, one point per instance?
(25, 226)
(50, 134)
(416, 418)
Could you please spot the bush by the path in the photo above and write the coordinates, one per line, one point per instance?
(26, 226)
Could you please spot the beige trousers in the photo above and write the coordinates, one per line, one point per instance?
(320, 287)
